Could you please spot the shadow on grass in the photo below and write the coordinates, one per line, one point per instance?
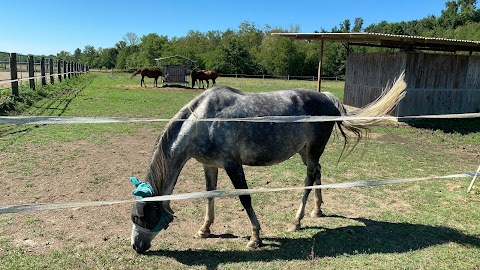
(461, 126)
(372, 237)
(56, 105)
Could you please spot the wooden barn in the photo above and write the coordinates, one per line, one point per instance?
(439, 81)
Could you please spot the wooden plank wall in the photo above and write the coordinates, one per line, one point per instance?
(437, 83)
(367, 75)
(441, 84)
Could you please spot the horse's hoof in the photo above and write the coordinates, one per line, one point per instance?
(254, 244)
(316, 214)
(294, 227)
(202, 234)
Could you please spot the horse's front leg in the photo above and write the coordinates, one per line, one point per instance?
(211, 176)
(236, 174)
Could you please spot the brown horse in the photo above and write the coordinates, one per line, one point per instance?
(203, 75)
(150, 73)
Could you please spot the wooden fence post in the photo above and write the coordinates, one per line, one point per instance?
(43, 71)
(31, 72)
(59, 70)
(64, 69)
(50, 65)
(13, 74)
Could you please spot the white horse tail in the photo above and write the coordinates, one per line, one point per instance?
(382, 106)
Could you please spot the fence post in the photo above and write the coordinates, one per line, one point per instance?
(64, 69)
(50, 65)
(42, 71)
(31, 72)
(59, 70)
(13, 74)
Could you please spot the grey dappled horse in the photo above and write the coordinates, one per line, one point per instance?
(229, 145)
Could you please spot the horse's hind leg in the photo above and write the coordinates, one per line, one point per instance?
(317, 211)
(236, 174)
(313, 176)
(211, 176)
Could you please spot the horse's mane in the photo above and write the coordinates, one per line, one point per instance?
(158, 172)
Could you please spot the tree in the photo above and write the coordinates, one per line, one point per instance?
(234, 57)
(64, 56)
(77, 55)
(357, 25)
(89, 54)
(131, 39)
(150, 48)
(108, 57)
(281, 56)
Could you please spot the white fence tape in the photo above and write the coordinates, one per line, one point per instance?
(220, 194)
(49, 120)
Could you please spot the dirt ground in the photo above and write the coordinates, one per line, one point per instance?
(85, 171)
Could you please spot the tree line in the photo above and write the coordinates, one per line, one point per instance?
(253, 50)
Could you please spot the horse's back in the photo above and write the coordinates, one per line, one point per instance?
(232, 103)
(257, 143)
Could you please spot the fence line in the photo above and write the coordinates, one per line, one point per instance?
(55, 69)
(284, 77)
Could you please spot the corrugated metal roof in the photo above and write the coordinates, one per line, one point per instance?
(391, 41)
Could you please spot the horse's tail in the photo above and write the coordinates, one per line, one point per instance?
(135, 73)
(382, 106)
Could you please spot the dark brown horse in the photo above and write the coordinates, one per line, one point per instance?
(203, 75)
(150, 73)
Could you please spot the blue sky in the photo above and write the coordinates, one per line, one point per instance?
(50, 26)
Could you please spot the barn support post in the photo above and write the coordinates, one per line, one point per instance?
(13, 74)
(320, 63)
(50, 65)
(43, 71)
(31, 72)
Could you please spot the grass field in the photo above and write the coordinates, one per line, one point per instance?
(423, 225)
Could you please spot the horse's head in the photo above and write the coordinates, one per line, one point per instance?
(148, 218)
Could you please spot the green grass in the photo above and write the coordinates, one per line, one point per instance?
(426, 225)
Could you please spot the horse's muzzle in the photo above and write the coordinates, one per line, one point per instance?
(140, 249)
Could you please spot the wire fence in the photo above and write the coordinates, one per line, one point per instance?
(17, 70)
(281, 77)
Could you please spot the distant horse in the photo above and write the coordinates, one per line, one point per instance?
(150, 73)
(231, 144)
(203, 75)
